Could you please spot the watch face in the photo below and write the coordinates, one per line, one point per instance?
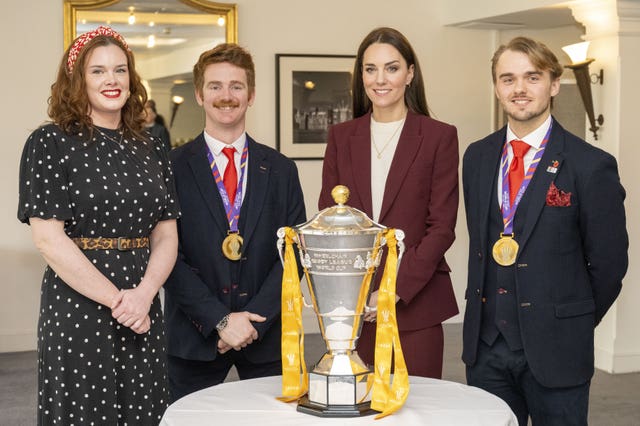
(223, 323)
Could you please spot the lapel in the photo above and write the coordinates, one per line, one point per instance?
(408, 145)
(489, 161)
(542, 178)
(205, 183)
(359, 148)
(258, 171)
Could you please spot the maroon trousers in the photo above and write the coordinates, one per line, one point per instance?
(422, 349)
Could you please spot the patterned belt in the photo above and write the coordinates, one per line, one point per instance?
(119, 243)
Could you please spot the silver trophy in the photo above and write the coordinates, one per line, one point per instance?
(340, 250)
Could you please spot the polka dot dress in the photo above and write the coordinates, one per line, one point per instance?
(91, 370)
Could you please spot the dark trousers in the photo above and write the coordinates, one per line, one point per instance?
(506, 374)
(187, 376)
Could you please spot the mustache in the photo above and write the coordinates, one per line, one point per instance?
(224, 104)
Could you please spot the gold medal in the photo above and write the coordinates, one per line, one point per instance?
(232, 246)
(505, 250)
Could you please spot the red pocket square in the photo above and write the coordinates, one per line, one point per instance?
(557, 197)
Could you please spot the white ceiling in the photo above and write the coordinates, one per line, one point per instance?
(548, 17)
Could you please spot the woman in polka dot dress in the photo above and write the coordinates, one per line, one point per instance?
(99, 195)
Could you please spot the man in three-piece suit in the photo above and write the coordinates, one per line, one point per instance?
(223, 296)
(547, 250)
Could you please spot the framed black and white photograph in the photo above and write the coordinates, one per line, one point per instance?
(313, 92)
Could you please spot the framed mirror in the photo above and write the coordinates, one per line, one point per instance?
(166, 38)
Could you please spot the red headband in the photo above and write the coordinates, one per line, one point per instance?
(87, 37)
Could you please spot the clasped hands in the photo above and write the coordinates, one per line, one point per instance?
(239, 332)
(131, 309)
(371, 310)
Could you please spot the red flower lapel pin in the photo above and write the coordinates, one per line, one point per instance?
(553, 168)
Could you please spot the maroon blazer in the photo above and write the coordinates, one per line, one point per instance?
(420, 197)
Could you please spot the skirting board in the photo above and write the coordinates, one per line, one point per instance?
(18, 342)
(617, 363)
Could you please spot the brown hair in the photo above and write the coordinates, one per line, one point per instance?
(69, 102)
(414, 96)
(538, 53)
(225, 52)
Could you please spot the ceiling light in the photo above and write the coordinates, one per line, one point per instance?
(221, 21)
(132, 18)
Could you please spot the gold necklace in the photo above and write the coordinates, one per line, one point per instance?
(380, 151)
(104, 135)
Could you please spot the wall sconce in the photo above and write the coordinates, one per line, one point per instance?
(176, 101)
(580, 66)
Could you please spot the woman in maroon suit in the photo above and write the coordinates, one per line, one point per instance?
(401, 167)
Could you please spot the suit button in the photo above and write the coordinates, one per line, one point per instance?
(478, 291)
(479, 255)
(502, 291)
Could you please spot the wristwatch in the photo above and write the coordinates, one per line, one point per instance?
(223, 323)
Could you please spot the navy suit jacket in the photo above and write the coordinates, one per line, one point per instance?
(204, 285)
(571, 260)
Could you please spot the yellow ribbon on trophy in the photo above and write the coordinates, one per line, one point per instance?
(362, 300)
(295, 381)
(388, 398)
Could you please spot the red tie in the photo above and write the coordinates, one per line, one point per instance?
(230, 177)
(516, 169)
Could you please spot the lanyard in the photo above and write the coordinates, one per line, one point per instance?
(509, 211)
(232, 210)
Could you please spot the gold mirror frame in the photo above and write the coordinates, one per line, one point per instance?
(228, 10)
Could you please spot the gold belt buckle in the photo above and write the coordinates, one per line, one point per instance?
(121, 241)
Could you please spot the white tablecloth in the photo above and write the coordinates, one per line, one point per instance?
(253, 402)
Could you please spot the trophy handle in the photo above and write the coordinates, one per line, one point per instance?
(280, 244)
(401, 246)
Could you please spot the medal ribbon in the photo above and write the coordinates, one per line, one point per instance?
(388, 399)
(295, 381)
(509, 211)
(233, 210)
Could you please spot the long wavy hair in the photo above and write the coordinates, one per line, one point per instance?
(414, 94)
(69, 105)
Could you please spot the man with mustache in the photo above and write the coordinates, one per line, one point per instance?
(547, 247)
(223, 296)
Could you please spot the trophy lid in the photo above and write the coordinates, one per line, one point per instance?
(340, 219)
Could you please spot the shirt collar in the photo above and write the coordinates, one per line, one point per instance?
(534, 138)
(216, 145)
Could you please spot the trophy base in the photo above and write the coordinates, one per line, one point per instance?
(320, 410)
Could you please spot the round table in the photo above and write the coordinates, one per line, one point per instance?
(253, 402)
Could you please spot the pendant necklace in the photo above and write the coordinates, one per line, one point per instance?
(380, 151)
(103, 134)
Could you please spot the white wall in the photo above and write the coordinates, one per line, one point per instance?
(32, 48)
